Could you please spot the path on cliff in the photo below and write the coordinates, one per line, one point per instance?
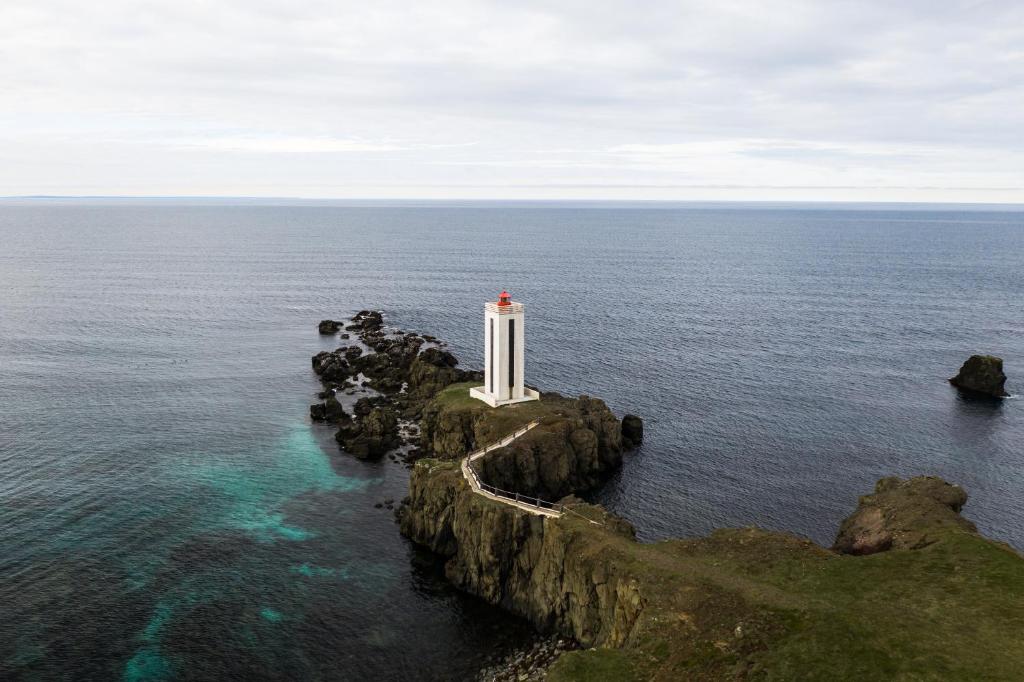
(534, 505)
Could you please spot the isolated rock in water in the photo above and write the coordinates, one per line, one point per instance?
(632, 431)
(903, 515)
(329, 327)
(982, 374)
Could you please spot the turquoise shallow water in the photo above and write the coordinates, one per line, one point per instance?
(168, 512)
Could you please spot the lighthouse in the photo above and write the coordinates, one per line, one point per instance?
(504, 341)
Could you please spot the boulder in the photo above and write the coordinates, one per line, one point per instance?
(632, 431)
(902, 514)
(331, 367)
(982, 374)
(330, 410)
(329, 327)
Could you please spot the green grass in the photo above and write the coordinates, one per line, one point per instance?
(600, 665)
(951, 611)
(504, 419)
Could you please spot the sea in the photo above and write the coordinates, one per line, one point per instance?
(169, 512)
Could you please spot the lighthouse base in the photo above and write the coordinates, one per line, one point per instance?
(479, 393)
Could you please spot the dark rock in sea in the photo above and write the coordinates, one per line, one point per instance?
(982, 374)
(329, 327)
(331, 367)
(372, 436)
(352, 352)
(329, 410)
(902, 515)
(345, 336)
(366, 321)
(632, 431)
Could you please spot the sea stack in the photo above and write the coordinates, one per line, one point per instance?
(632, 431)
(982, 374)
(329, 327)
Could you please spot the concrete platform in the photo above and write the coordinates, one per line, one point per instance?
(479, 393)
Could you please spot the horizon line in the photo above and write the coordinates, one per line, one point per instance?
(495, 200)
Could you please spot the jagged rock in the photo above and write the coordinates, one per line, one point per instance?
(372, 436)
(902, 515)
(331, 366)
(632, 431)
(433, 370)
(329, 327)
(982, 374)
(366, 321)
(330, 410)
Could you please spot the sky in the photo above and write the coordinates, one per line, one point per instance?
(815, 100)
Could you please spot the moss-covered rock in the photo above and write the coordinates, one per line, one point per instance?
(329, 327)
(902, 515)
(577, 444)
(982, 374)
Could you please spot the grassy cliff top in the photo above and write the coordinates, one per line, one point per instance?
(747, 603)
(504, 419)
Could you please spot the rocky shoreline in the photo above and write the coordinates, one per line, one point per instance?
(738, 603)
(377, 383)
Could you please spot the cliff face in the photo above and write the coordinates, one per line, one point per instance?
(554, 572)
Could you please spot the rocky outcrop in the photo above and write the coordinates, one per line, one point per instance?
(329, 327)
(432, 371)
(632, 431)
(552, 572)
(577, 444)
(902, 515)
(372, 435)
(366, 321)
(332, 367)
(567, 453)
(330, 410)
(983, 375)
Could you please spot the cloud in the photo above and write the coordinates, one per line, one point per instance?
(285, 145)
(270, 97)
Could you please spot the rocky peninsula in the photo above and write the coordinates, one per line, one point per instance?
(909, 590)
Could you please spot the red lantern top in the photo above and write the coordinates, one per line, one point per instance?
(504, 298)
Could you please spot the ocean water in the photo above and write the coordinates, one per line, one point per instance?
(167, 511)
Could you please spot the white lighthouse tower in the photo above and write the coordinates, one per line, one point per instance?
(504, 341)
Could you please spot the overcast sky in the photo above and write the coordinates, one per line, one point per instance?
(815, 100)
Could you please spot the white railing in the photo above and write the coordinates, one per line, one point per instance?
(517, 499)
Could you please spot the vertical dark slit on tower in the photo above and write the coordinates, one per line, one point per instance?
(490, 368)
(511, 353)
